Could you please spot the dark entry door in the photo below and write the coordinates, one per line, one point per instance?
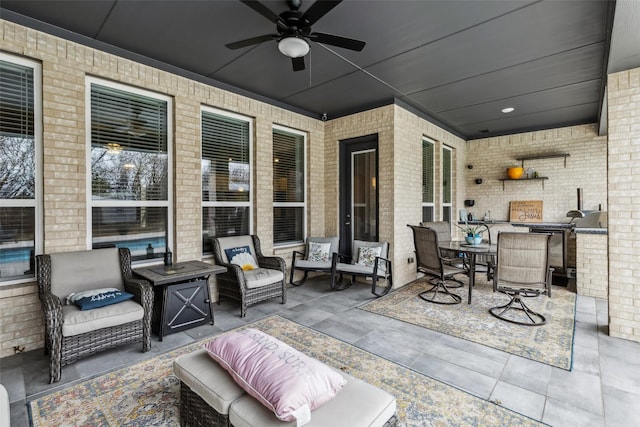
(358, 191)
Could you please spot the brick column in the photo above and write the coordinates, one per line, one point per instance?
(623, 97)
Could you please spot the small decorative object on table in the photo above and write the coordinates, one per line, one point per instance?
(473, 233)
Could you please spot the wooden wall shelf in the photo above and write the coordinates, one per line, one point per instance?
(540, 178)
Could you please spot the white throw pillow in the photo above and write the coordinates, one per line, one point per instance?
(367, 255)
(319, 252)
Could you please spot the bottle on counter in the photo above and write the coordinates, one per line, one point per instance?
(168, 257)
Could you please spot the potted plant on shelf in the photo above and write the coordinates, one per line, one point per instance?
(473, 233)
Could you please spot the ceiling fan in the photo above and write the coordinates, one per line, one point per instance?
(294, 30)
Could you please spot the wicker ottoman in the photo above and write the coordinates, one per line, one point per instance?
(210, 397)
(358, 404)
(206, 390)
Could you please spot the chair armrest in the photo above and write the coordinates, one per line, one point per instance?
(293, 257)
(272, 262)
(377, 263)
(341, 257)
(142, 291)
(51, 307)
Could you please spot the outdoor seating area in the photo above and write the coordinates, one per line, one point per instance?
(91, 303)
(319, 213)
(251, 276)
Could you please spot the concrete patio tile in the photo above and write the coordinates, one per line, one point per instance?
(586, 331)
(585, 304)
(617, 372)
(518, 399)
(586, 359)
(306, 315)
(620, 407)
(578, 389)
(527, 374)
(559, 413)
(465, 379)
(385, 344)
(339, 330)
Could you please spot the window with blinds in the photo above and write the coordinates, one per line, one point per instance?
(428, 179)
(447, 183)
(20, 145)
(289, 200)
(226, 175)
(130, 173)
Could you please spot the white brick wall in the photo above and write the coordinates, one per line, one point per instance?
(65, 66)
(586, 168)
(623, 97)
(592, 265)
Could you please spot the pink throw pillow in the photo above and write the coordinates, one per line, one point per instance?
(283, 379)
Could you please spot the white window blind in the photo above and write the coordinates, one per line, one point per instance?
(288, 186)
(20, 143)
(226, 175)
(447, 183)
(428, 179)
(130, 174)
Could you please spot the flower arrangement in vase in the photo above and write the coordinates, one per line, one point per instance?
(473, 233)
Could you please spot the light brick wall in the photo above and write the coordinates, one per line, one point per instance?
(623, 97)
(592, 265)
(65, 66)
(400, 135)
(586, 168)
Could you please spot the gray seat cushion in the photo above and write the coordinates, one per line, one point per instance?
(313, 265)
(358, 404)
(78, 321)
(262, 277)
(207, 379)
(357, 269)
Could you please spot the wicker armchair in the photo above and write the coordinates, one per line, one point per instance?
(70, 333)
(252, 285)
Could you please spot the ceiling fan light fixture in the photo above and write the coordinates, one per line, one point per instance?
(293, 47)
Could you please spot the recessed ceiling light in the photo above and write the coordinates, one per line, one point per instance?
(508, 110)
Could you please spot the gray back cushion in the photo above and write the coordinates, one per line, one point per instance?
(85, 270)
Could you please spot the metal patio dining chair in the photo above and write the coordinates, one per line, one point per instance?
(449, 257)
(522, 270)
(430, 261)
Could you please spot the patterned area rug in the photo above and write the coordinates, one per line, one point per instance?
(551, 343)
(147, 394)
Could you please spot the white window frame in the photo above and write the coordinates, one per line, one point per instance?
(432, 205)
(36, 203)
(249, 203)
(450, 178)
(303, 204)
(169, 203)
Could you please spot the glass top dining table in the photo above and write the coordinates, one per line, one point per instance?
(471, 251)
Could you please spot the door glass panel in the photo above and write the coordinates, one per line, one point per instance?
(365, 196)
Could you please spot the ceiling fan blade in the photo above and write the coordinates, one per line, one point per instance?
(318, 10)
(339, 41)
(252, 41)
(264, 11)
(298, 63)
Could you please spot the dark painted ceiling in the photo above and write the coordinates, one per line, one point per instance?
(456, 62)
